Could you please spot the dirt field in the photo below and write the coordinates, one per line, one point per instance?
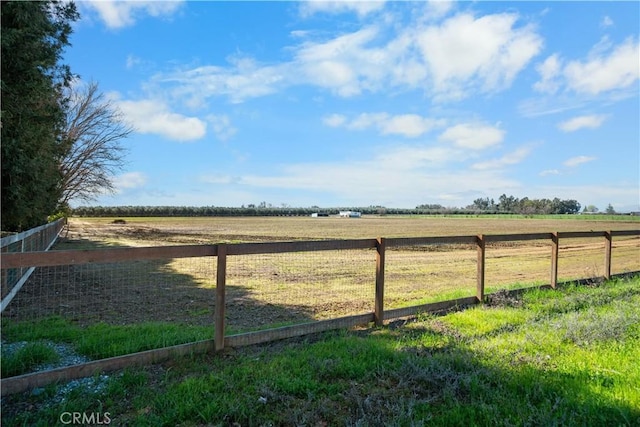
(137, 231)
(276, 289)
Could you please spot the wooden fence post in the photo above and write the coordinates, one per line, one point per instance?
(480, 275)
(607, 255)
(379, 302)
(221, 280)
(555, 244)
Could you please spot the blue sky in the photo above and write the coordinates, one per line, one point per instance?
(368, 103)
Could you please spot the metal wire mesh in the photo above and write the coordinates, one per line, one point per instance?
(419, 274)
(169, 290)
(284, 288)
(625, 254)
(511, 265)
(580, 258)
(37, 239)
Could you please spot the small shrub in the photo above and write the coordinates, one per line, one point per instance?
(592, 326)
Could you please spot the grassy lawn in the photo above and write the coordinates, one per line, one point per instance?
(564, 357)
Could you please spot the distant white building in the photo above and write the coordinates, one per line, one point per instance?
(350, 214)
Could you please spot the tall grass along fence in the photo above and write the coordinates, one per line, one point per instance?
(34, 240)
(126, 306)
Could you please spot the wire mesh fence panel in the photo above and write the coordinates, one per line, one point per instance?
(267, 290)
(419, 274)
(110, 309)
(174, 290)
(10, 276)
(580, 258)
(510, 265)
(625, 254)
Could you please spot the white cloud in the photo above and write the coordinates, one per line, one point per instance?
(217, 179)
(344, 64)
(129, 180)
(476, 136)
(462, 56)
(512, 158)
(334, 120)
(119, 14)
(366, 120)
(483, 53)
(578, 160)
(549, 172)
(360, 7)
(153, 116)
(405, 158)
(222, 126)
(606, 22)
(582, 122)
(549, 71)
(408, 125)
(439, 8)
(605, 69)
(244, 79)
(133, 61)
(395, 176)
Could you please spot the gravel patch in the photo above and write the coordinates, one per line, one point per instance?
(68, 357)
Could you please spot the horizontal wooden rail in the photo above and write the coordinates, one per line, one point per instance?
(419, 241)
(20, 383)
(292, 331)
(620, 233)
(579, 234)
(75, 257)
(56, 226)
(433, 307)
(492, 238)
(299, 246)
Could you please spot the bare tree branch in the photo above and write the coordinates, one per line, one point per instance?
(93, 132)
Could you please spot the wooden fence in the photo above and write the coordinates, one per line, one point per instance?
(223, 251)
(35, 240)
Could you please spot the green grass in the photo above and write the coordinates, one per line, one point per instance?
(101, 340)
(543, 357)
(26, 357)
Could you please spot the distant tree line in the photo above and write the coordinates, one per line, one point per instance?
(505, 205)
(525, 206)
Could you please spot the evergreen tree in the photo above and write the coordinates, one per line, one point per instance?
(34, 35)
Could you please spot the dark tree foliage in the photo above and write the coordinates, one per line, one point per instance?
(34, 35)
(525, 206)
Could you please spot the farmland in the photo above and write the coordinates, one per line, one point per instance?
(163, 230)
(271, 289)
